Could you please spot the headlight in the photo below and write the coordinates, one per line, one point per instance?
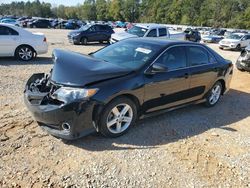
(68, 94)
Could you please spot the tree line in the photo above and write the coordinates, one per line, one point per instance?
(213, 13)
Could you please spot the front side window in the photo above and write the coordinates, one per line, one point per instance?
(92, 29)
(174, 58)
(197, 56)
(7, 31)
(152, 33)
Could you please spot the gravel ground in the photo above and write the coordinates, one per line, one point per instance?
(190, 147)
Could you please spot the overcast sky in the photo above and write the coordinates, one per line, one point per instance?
(53, 2)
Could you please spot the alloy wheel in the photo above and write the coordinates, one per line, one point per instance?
(119, 118)
(215, 94)
(25, 53)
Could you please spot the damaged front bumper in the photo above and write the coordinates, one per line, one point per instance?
(243, 62)
(65, 120)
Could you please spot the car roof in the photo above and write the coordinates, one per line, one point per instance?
(19, 29)
(241, 34)
(151, 25)
(162, 42)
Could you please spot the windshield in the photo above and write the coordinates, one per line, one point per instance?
(139, 31)
(132, 55)
(85, 27)
(234, 36)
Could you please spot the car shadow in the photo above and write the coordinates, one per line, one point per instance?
(7, 61)
(175, 125)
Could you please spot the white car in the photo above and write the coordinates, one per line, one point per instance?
(146, 30)
(11, 21)
(235, 41)
(18, 42)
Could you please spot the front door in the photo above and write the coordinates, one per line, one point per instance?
(8, 41)
(170, 88)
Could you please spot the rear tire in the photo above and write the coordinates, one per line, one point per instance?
(214, 95)
(24, 53)
(117, 117)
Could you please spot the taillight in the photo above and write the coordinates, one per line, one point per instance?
(44, 39)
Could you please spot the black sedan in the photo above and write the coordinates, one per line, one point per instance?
(91, 33)
(107, 91)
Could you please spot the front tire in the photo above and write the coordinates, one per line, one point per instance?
(84, 41)
(117, 117)
(238, 47)
(214, 95)
(24, 53)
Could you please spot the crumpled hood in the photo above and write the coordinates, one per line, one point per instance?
(74, 69)
(122, 36)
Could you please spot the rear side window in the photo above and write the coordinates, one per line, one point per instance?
(162, 32)
(7, 31)
(174, 58)
(152, 33)
(197, 56)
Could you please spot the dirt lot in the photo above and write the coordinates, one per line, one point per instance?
(190, 147)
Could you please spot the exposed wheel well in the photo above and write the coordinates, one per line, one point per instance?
(223, 85)
(25, 45)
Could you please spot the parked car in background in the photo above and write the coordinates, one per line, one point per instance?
(146, 30)
(211, 38)
(25, 22)
(91, 33)
(141, 30)
(120, 24)
(58, 24)
(39, 23)
(236, 41)
(110, 89)
(71, 25)
(18, 42)
(11, 21)
(193, 35)
(243, 62)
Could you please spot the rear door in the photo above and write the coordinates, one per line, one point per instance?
(103, 33)
(92, 34)
(203, 70)
(9, 39)
(170, 88)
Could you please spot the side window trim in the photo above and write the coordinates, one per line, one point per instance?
(162, 53)
(187, 62)
(208, 54)
(156, 31)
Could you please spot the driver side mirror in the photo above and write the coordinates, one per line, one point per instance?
(157, 68)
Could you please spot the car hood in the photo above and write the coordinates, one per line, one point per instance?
(75, 31)
(74, 69)
(230, 40)
(123, 35)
